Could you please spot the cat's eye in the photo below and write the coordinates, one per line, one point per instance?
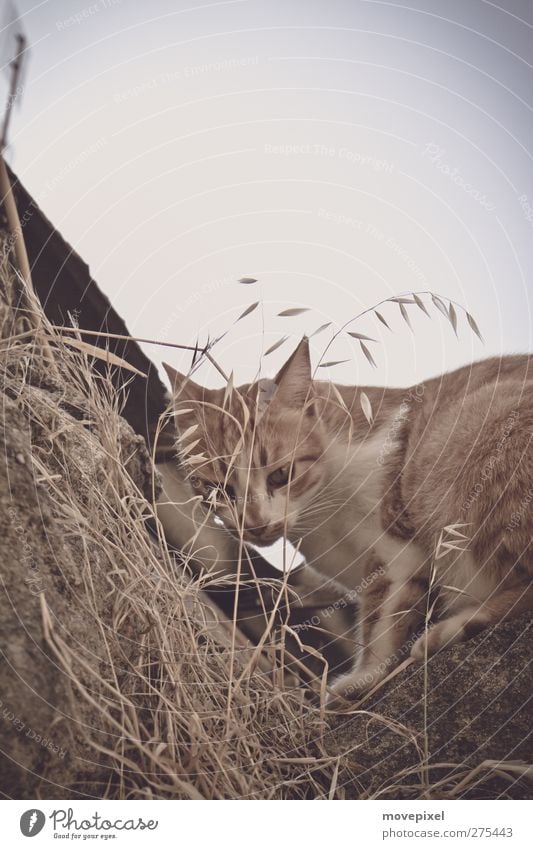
(201, 483)
(214, 489)
(280, 477)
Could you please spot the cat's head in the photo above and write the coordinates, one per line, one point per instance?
(255, 453)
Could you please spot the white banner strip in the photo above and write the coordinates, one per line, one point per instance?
(189, 824)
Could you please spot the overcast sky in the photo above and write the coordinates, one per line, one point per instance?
(338, 151)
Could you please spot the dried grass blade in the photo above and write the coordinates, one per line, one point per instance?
(189, 432)
(473, 325)
(228, 392)
(332, 363)
(360, 336)
(293, 311)
(196, 459)
(383, 321)
(276, 345)
(452, 315)
(186, 449)
(338, 396)
(421, 305)
(405, 316)
(320, 329)
(367, 354)
(99, 353)
(366, 407)
(247, 311)
(441, 306)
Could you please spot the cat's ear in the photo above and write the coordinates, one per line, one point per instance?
(183, 388)
(294, 380)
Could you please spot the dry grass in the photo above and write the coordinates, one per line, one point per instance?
(168, 715)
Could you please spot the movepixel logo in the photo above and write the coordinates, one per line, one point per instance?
(32, 822)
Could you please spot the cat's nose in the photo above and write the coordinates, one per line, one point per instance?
(256, 530)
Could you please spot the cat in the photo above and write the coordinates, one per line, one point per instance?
(398, 494)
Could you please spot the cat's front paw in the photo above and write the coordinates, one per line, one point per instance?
(351, 687)
(435, 638)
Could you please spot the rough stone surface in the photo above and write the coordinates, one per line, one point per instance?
(43, 750)
(478, 708)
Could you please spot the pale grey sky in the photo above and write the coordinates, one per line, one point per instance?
(339, 151)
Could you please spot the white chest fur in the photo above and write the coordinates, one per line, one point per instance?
(346, 529)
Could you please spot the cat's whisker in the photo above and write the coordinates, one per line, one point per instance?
(321, 508)
(324, 503)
